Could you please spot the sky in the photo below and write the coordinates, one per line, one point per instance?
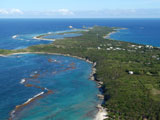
(79, 8)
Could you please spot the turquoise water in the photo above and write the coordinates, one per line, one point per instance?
(52, 36)
(58, 87)
(73, 97)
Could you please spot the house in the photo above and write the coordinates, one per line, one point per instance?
(131, 72)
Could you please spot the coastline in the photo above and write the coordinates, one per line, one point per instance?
(123, 62)
(102, 112)
(108, 36)
(41, 38)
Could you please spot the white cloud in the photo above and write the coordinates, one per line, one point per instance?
(16, 11)
(58, 12)
(65, 12)
(119, 13)
(10, 11)
(2, 11)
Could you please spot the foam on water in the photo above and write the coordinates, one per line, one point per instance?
(22, 81)
(14, 36)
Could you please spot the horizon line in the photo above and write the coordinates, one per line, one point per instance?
(87, 18)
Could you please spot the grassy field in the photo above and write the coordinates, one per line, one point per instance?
(130, 72)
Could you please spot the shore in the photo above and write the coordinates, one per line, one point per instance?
(117, 30)
(108, 35)
(102, 113)
(116, 60)
(41, 38)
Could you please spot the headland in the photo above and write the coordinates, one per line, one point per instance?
(126, 95)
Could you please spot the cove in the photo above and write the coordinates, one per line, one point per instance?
(62, 84)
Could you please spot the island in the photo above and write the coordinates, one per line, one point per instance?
(127, 74)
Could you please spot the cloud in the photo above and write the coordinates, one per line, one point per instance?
(132, 12)
(65, 12)
(16, 11)
(2, 11)
(119, 13)
(10, 11)
(50, 13)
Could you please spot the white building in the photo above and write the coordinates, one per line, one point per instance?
(131, 72)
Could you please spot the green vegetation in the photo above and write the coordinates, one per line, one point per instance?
(6, 52)
(130, 72)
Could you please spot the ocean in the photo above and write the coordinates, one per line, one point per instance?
(54, 87)
(19, 33)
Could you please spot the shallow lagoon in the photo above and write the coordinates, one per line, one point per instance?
(73, 97)
(52, 36)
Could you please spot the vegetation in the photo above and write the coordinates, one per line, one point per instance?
(130, 72)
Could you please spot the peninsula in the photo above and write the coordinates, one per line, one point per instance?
(127, 73)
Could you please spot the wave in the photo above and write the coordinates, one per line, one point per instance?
(23, 81)
(12, 114)
(50, 32)
(14, 36)
(29, 100)
(46, 89)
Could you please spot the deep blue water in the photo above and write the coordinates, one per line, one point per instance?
(145, 31)
(74, 96)
(141, 32)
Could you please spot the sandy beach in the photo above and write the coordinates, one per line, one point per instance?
(102, 113)
(116, 30)
(41, 38)
(108, 35)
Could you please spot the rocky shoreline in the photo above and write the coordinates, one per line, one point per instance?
(102, 112)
